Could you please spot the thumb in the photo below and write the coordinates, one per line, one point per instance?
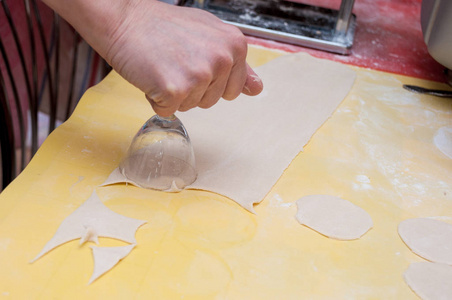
(253, 84)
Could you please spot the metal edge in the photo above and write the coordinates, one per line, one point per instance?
(343, 48)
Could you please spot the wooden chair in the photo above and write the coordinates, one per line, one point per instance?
(45, 68)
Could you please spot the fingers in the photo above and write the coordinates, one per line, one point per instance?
(170, 93)
(180, 91)
(213, 93)
(205, 92)
(163, 110)
(201, 78)
(236, 79)
(253, 84)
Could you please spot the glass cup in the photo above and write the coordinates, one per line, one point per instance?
(161, 156)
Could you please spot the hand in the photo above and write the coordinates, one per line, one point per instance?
(181, 57)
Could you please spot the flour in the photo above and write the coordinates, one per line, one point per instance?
(277, 201)
(362, 183)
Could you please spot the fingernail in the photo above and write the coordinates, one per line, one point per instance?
(253, 75)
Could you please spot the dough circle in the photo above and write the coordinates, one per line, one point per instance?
(430, 280)
(428, 238)
(443, 141)
(333, 216)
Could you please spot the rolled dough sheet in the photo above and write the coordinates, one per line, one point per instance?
(333, 217)
(430, 280)
(242, 147)
(428, 238)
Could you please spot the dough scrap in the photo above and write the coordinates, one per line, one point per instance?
(243, 147)
(428, 238)
(91, 220)
(430, 280)
(443, 141)
(106, 258)
(333, 217)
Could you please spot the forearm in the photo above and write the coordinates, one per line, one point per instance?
(179, 57)
(97, 21)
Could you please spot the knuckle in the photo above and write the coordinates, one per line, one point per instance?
(233, 31)
(202, 75)
(170, 93)
(175, 92)
(225, 60)
(238, 40)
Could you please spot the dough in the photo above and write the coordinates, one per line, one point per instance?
(91, 220)
(430, 280)
(428, 238)
(106, 258)
(443, 140)
(242, 147)
(334, 217)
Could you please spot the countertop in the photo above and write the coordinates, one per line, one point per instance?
(377, 151)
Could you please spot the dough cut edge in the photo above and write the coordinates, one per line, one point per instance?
(48, 248)
(354, 238)
(246, 204)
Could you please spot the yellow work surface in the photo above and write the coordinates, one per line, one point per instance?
(376, 151)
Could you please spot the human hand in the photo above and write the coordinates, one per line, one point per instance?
(181, 57)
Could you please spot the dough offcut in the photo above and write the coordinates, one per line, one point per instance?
(334, 217)
(428, 238)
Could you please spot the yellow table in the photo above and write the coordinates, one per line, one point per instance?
(376, 151)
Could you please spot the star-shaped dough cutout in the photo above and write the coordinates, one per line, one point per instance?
(90, 221)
